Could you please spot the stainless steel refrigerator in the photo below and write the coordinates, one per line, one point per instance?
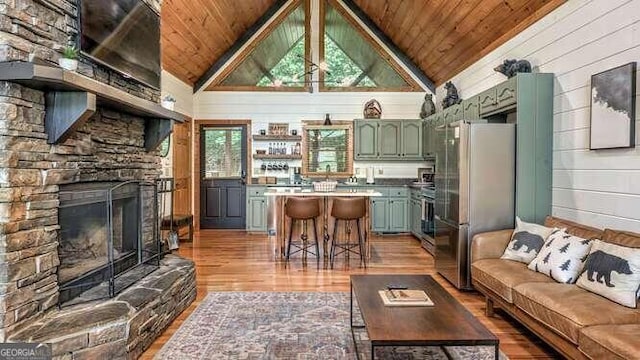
(475, 190)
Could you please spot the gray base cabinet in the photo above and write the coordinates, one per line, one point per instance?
(256, 209)
(389, 213)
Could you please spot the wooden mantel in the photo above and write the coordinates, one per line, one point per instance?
(72, 98)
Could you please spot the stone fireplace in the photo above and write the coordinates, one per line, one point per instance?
(108, 242)
(76, 217)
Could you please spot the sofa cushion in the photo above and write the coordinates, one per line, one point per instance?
(526, 241)
(562, 256)
(612, 271)
(573, 228)
(622, 238)
(501, 276)
(566, 308)
(614, 342)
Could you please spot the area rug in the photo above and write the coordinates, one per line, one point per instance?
(286, 325)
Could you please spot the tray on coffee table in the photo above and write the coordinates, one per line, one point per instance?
(447, 323)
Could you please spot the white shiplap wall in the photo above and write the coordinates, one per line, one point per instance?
(265, 107)
(183, 94)
(580, 38)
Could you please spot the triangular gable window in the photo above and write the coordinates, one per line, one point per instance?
(276, 60)
(353, 59)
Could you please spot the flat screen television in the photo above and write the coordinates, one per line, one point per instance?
(123, 35)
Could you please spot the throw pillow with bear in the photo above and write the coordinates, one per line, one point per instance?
(526, 241)
(612, 271)
(562, 256)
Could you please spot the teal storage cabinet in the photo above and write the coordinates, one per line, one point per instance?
(388, 140)
(366, 140)
(389, 212)
(256, 209)
(379, 214)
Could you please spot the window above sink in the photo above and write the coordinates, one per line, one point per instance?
(327, 149)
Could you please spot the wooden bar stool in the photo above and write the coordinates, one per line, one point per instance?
(303, 209)
(348, 210)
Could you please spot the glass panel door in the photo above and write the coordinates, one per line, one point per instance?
(222, 152)
(223, 166)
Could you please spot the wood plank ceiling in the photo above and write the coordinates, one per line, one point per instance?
(195, 33)
(442, 37)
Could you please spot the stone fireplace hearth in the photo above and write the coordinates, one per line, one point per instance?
(37, 263)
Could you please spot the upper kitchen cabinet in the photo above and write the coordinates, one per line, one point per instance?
(452, 114)
(366, 140)
(398, 140)
(470, 108)
(390, 138)
(500, 98)
(412, 140)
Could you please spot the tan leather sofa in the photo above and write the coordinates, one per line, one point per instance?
(577, 323)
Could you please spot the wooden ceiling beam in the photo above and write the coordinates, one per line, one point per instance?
(222, 60)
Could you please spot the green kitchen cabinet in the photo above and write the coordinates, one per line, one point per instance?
(429, 136)
(388, 140)
(256, 209)
(453, 113)
(398, 214)
(534, 115)
(390, 135)
(487, 101)
(500, 98)
(379, 214)
(366, 140)
(389, 212)
(470, 109)
(412, 140)
(506, 94)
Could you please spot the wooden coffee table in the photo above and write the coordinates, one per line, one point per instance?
(447, 323)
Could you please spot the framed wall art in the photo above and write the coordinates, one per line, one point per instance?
(613, 108)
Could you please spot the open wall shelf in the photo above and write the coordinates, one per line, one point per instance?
(72, 98)
(277, 137)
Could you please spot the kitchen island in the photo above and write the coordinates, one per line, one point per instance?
(281, 195)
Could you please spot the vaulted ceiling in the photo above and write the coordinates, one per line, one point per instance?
(441, 37)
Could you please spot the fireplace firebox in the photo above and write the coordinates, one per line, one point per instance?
(109, 238)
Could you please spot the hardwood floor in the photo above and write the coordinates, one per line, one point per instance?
(237, 261)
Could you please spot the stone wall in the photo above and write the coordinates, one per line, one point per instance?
(110, 146)
(39, 29)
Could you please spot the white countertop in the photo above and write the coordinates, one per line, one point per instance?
(296, 191)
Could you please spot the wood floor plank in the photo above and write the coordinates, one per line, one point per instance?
(237, 261)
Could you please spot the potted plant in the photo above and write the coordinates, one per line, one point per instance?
(168, 102)
(69, 59)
